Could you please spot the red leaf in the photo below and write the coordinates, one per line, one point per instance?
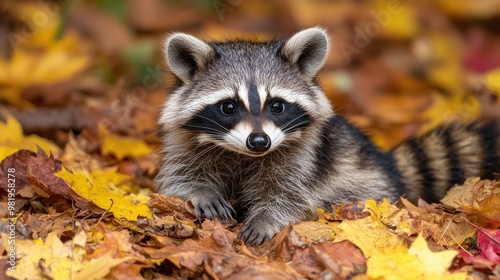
(488, 240)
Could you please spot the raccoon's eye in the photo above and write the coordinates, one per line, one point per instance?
(277, 107)
(228, 107)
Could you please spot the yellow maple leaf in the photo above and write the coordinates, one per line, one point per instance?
(12, 139)
(396, 21)
(121, 146)
(417, 262)
(447, 70)
(444, 56)
(492, 80)
(41, 59)
(36, 259)
(370, 235)
(470, 9)
(47, 32)
(390, 215)
(6, 151)
(461, 107)
(99, 187)
(28, 68)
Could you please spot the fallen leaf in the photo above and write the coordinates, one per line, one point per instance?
(26, 68)
(390, 215)
(368, 234)
(458, 196)
(349, 211)
(170, 204)
(6, 151)
(343, 259)
(400, 23)
(417, 262)
(492, 81)
(121, 146)
(74, 157)
(36, 169)
(12, 138)
(488, 240)
(486, 195)
(468, 9)
(60, 260)
(312, 231)
(99, 187)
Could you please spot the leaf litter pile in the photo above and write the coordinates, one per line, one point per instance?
(79, 99)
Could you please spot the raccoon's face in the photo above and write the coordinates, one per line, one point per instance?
(247, 97)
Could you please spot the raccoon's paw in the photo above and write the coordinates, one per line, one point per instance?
(257, 232)
(215, 207)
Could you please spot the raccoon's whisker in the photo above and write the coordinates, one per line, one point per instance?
(283, 127)
(212, 121)
(295, 125)
(204, 128)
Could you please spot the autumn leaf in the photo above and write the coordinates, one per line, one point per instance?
(170, 204)
(368, 234)
(12, 138)
(221, 260)
(75, 157)
(109, 241)
(312, 231)
(417, 262)
(6, 151)
(461, 195)
(42, 57)
(446, 69)
(469, 9)
(492, 81)
(445, 229)
(342, 259)
(488, 240)
(100, 188)
(396, 20)
(475, 196)
(121, 146)
(30, 68)
(486, 195)
(390, 215)
(349, 211)
(36, 169)
(52, 258)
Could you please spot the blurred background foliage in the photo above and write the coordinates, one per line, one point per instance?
(397, 67)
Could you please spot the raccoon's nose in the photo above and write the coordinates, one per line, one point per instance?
(258, 142)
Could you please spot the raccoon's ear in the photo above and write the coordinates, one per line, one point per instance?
(186, 54)
(308, 50)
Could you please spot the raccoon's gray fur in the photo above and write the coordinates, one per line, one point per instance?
(248, 121)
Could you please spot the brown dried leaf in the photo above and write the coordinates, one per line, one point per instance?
(170, 204)
(459, 196)
(312, 231)
(343, 259)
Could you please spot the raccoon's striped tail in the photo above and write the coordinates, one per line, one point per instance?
(447, 155)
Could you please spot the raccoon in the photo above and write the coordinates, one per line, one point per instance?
(248, 121)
